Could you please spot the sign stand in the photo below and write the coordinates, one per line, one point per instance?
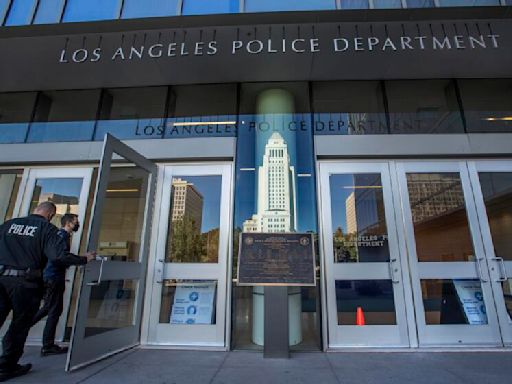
(276, 333)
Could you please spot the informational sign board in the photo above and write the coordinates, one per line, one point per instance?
(193, 303)
(472, 300)
(276, 259)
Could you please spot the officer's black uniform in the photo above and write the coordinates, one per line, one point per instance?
(25, 246)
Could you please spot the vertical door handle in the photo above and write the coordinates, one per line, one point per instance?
(392, 271)
(102, 259)
(501, 268)
(479, 269)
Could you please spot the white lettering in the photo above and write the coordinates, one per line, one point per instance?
(314, 43)
(358, 44)
(159, 50)
(237, 44)
(269, 47)
(438, 44)
(259, 46)
(119, 52)
(388, 43)
(480, 41)
(372, 42)
(97, 55)
(63, 57)
(420, 39)
(80, 55)
(337, 46)
(459, 42)
(183, 50)
(198, 51)
(294, 45)
(405, 41)
(138, 53)
(212, 48)
(171, 50)
(494, 39)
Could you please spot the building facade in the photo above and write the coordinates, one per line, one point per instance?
(384, 128)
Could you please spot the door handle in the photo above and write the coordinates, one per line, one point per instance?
(102, 259)
(480, 273)
(501, 268)
(392, 271)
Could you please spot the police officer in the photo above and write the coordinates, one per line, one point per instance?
(25, 246)
(54, 276)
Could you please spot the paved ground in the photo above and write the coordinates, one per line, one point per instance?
(190, 367)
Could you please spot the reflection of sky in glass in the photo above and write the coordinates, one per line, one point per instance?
(210, 188)
(253, 134)
(339, 196)
(60, 186)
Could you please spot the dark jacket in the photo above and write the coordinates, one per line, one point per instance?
(54, 271)
(29, 242)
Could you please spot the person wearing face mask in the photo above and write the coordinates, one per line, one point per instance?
(26, 244)
(54, 276)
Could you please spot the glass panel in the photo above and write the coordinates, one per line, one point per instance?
(453, 302)
(202, 110)
(497, 192)
(288, 5)
(423, 106)
(204, 7)
(439, 217)
(189, 302)
(64, 116)
(9, 187)
(49, 11)
(21, 12)
(4, 7)
(349, 108)
(420, 4)
(15, 114)
(64, 193)
(90, 10)
(487, 105)
(194, 219)
(507, 294)
(373, 298)
(465, 3)
(111, 306)
(149, 8)
(358, 218)
(132, 113)
(123, 214)
(381, 4)
(354, 4)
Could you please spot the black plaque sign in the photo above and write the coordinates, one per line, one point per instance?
(275, 259)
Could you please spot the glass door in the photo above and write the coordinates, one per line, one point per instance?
(450, 279)
(109, 310)
(493, 197)
(188, 302)
(364, 272)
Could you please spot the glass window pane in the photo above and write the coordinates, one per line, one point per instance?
(194, 219)
(497, 192)
(15, 115)
(204, 7)
(507, 295)
(465, 3)
(64, 116)
(21, 12)
(189, 302)
(64, 193)
(420, 4)
(132, 113)
(453, 302)
(202, 110)
(4, 7)
(354, 4)
(288, 5)
(111, 306)
(487, 104)
(358, 219)
(373, 298)
(349, 108)
(439, 217)
(9, 187)
(49, 11)
(382, 4)
(123, 214)
(149, 8)
(423, 106)
(90, 10)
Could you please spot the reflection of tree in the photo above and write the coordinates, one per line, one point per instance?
(187, 242)
(345, 246)
(210, 244)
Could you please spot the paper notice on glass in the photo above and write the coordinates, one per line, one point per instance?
(472, 299)
(193, 303)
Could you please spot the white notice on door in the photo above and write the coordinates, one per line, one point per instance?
(472, 300)
(193, 303)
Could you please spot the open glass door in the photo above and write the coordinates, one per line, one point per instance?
(111, 295)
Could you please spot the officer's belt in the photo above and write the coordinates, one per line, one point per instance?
(20, 272)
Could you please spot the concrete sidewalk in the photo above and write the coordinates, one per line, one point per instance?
(151, 366)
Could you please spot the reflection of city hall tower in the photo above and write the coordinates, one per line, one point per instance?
(186, 201)
(276, 191)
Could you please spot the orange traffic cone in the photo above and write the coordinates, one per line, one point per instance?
(359, 316)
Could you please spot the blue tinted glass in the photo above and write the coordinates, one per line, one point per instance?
(85, 10)
(288, 5)
(354, 4)
(49, 11)
(4, 6)
(21, 12)
(61, 131)
(199, 7)
(380, 4)
(465, 3)
(131, 128)
(420, 3)
(508, 2)
(13, 132)
(149, 8)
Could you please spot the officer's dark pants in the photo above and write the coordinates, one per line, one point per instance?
(23, 298)
(52, 307)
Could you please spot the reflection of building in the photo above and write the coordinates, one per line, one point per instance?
(350, 209)
(65, 204)
(186, 201)
(276, 190)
